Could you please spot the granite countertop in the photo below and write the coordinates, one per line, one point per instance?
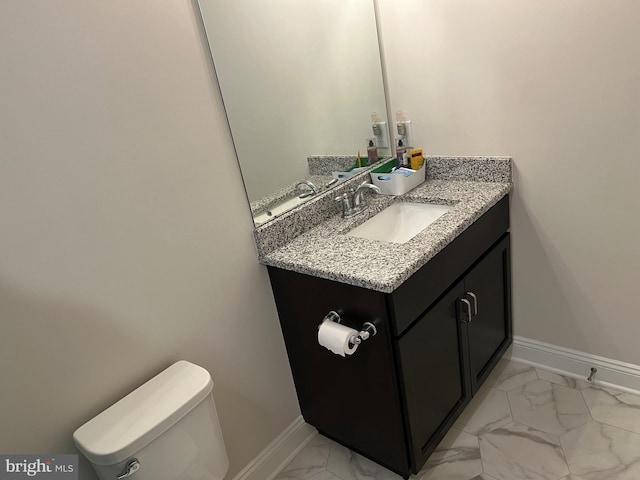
(320, 174)
(287, 192)
(326, 251)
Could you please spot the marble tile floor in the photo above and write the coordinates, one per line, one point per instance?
(524, 424)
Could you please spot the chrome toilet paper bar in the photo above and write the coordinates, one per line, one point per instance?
(367, 330)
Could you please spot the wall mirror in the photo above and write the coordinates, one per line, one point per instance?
(298, 80)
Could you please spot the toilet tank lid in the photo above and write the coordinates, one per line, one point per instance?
(131, 423)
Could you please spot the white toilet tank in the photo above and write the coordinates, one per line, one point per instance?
(167, 429)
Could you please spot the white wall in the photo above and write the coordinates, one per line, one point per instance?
(298, 79)
(555, 85)
(125, 234)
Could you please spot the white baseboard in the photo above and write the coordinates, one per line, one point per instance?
(573, 363)
(270, 462)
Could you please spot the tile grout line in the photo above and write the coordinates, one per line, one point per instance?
(584, 399)
(326, 465)
(602, 422)
(513, 418)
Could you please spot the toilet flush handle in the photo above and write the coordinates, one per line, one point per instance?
(132, 467)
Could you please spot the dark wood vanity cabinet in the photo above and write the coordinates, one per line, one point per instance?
(439, 335)
(450, 350)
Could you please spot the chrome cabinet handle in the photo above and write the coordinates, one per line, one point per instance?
(475, 302)
(468, 304)
(132, 467)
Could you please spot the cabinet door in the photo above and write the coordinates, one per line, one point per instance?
(490, 328)
(433, 374)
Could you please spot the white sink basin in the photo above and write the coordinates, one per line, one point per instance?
(400, 222)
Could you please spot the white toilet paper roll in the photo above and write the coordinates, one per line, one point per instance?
(335, 337)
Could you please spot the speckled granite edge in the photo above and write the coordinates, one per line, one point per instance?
(321, 168)
(286, 192)
(474, 169)
(327, 252)
(276, 233)
(325, 164)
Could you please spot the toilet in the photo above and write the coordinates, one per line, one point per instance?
(166, 429)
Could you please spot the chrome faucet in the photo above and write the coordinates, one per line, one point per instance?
(353, 202)
(312, 189)
(358, 197)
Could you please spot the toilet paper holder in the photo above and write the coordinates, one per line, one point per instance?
(367, 330)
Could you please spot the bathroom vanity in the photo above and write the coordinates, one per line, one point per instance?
(441, 304)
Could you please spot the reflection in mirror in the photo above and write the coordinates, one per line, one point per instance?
(299, 81)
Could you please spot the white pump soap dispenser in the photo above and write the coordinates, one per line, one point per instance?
(379, 131)
(405, 131)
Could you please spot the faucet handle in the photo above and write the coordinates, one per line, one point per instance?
(345, 202)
